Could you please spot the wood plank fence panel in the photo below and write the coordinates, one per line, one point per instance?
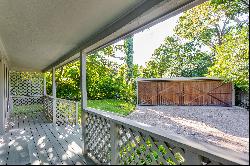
(169, 93)
(147, 92)
(211, 93)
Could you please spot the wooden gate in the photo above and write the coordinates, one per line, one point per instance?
(169, 93)
(210, 93)
(207, 93)
(147, 93)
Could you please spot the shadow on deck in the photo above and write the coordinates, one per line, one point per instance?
(33, 139)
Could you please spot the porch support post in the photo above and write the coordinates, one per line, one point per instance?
(2, 109)
(44, 84)
(54, 93)
(83, 80)
(83, 99)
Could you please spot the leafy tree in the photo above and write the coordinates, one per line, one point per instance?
(209, 22)
(105, 79)
(232, 58)
(219, 24)
(232, 8)
(177, 58)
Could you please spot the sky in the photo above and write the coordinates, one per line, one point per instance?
(145, 42)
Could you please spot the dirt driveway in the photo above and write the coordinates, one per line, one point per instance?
(227, 127)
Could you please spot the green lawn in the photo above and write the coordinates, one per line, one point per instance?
(110, 105)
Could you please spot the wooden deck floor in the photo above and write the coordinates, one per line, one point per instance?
(32, 139)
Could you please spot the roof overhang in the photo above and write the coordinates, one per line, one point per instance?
(44, 34)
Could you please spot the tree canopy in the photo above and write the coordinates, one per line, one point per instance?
(175, 58)
(211, 39)
(223, 27)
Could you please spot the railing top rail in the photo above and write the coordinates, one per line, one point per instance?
(61, 99)
(207, 150)
(26, 96)
(43, 96)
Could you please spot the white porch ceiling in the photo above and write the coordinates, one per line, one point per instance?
(38, 34)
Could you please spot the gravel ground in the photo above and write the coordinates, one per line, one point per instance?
(227, 127)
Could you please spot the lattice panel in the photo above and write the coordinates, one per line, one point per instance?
(27, 103)
(18, 101)
(136, 148)
(26, 83)
(48, 107)
(98, 138)
(66, 113)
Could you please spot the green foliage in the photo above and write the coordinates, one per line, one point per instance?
(105, 79)
(201, 23)
(222, 25)
(128, 46)
(176, 58)
(232, 58)
(147, 153)
(232, 8)
(209, 22)
(67, 81)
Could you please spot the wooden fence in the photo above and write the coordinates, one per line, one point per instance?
(206, 92)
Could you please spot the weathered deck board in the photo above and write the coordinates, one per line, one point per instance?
(70, 133)
(3, 149)
(32, 139)
(18, 152)
(65, 159)
(70, 150)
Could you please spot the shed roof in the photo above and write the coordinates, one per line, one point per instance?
(180, 79)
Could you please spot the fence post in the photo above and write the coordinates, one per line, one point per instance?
(137, 99)
(84, 134)
(192, 158)
(114, 143)
(76, 112)
(54, 110)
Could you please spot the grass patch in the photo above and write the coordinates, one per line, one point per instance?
(27, 109)
(119, 107)
(116, 106)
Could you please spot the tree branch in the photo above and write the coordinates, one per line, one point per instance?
(223, 31)
(118, 57)
(217, 27)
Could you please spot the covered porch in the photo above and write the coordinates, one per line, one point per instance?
(36, 128)
(33, 139)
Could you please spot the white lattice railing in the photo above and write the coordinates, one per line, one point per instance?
(48, 107)
(24, 103)
(110, 139)
(66, 112)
